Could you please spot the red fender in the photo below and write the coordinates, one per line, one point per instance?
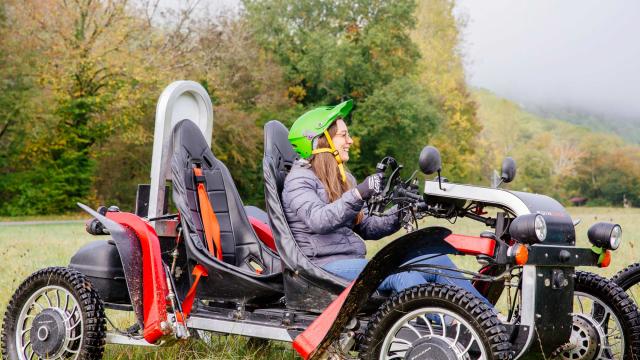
(307, 342)
(154, 285)
(472, 245)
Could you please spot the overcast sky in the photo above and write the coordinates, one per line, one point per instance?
(577, 54)
(583, 54)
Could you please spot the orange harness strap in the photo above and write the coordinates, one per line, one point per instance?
(209, 219)
(198, 271)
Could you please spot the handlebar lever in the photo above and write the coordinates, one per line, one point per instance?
(409, 194)
(491, 222)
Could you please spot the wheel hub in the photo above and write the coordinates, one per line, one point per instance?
(48, 332)
(432, 348)
(584, 342)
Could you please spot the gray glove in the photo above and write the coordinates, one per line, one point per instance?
(372, 185)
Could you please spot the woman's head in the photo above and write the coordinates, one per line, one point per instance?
(321, 135)
(325, 165)
(306, 130)
(339, 133)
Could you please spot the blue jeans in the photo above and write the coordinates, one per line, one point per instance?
(350, 269)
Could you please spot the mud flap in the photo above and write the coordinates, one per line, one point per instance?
(131, 256)
(326, 329)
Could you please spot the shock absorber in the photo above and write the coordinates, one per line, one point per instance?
(178, 322)
(175, 252)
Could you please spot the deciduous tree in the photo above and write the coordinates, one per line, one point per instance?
(437, 35)
(336, 49)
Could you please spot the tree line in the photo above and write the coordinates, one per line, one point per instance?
(79, 81)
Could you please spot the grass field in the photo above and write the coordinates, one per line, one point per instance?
(24, 249)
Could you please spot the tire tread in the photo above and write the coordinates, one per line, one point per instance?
(613, 295)
(628, 276)
(493, 329)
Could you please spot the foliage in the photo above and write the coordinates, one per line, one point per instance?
(609, 172)
(79, 81)
(361, 49)
(336, 49)
(71, 63)
(14, 89)
(96, 82)
(395, 120)
(437, 35)
(50, 186)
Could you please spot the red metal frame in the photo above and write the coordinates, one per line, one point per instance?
(264, 232)
(307, 342)
(154, 285)
(472, 245)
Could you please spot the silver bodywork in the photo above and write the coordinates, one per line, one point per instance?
(240, 328)
(499, 197)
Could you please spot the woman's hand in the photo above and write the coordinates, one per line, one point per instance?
(371, 186)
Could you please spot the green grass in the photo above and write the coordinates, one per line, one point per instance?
(69, 216)
(24, 249)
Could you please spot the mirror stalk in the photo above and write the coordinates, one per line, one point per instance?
(440, 180)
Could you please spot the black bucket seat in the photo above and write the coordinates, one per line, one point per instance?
(249, 270)
(307, 286)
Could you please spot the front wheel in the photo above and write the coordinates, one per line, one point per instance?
(606, 323)
(54, 314)
(435, 321)
(629, 280)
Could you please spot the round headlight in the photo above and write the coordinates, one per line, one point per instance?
(541, 228)
(605, 235)
(616, 237)
(528, 229)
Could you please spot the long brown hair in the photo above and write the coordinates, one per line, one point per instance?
(326, 168)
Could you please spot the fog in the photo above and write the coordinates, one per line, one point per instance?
(573, 54)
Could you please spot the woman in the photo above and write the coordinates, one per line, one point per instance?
(325, 208)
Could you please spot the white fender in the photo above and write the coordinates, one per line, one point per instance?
(180, 100)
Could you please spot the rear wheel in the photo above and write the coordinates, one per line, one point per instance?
(434, 321)
(606, 324)
(629, 280)
(54, 314)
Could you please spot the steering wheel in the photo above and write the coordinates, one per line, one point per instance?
(394, 189)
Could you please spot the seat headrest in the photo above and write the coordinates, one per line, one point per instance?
(189, 144)
(278, 151)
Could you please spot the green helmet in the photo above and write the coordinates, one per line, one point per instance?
(313, 123)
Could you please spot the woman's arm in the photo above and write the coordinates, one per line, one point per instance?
(300, 194)
(377, 227)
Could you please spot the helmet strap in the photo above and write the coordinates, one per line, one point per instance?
(332, 149)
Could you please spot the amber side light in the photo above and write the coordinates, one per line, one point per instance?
(522, 255)
(518, 253)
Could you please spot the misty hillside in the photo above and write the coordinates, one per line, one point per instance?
(556, 157)
(626, 128)
(501, 117)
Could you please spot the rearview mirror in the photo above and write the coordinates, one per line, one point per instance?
(429, 161)
(508, 172)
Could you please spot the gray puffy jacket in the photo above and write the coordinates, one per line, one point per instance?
(325, 231)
